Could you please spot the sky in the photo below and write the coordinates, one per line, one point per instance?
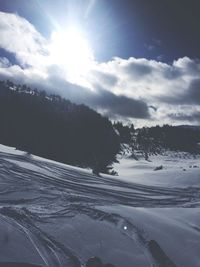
(136, 61)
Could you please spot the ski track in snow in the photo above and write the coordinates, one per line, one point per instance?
(35, 193)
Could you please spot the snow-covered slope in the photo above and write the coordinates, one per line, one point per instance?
(52, 214)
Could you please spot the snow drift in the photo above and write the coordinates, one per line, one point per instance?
(53, 214)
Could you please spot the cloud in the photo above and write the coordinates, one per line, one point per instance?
(105, 78)
(4, 62)
(166, 87)
(153, 45)
(100, 99)
(20, 37)
(193, 94)
(194, 117)
(137, 68)
(120, 105)
(150, 47)
(148, 91)
(190, 96)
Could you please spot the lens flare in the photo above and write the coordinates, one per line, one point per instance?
(71, 50)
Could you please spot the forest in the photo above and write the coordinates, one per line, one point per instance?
(55, 128)
(52, 127)
(153, 140)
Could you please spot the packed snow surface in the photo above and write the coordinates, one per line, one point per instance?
(53, 214)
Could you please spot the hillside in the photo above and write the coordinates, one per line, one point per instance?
(124, 220)
(55, 128)
(159, 139)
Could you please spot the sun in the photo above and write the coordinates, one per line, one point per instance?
(71, 50)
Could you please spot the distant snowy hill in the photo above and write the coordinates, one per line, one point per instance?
(54, 215)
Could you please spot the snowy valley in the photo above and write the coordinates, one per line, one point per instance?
(53, 214)
(99, 133)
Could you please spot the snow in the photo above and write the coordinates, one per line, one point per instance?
(52, 214)
(10, 150)
(179, 169)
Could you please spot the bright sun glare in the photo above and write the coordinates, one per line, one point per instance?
(71, 49)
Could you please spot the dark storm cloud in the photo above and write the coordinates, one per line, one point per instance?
(102, 99)
(120, 105)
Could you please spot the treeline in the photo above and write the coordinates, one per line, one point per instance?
(177, 138)
(155, 139)
(55, 128)
(125, 132)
